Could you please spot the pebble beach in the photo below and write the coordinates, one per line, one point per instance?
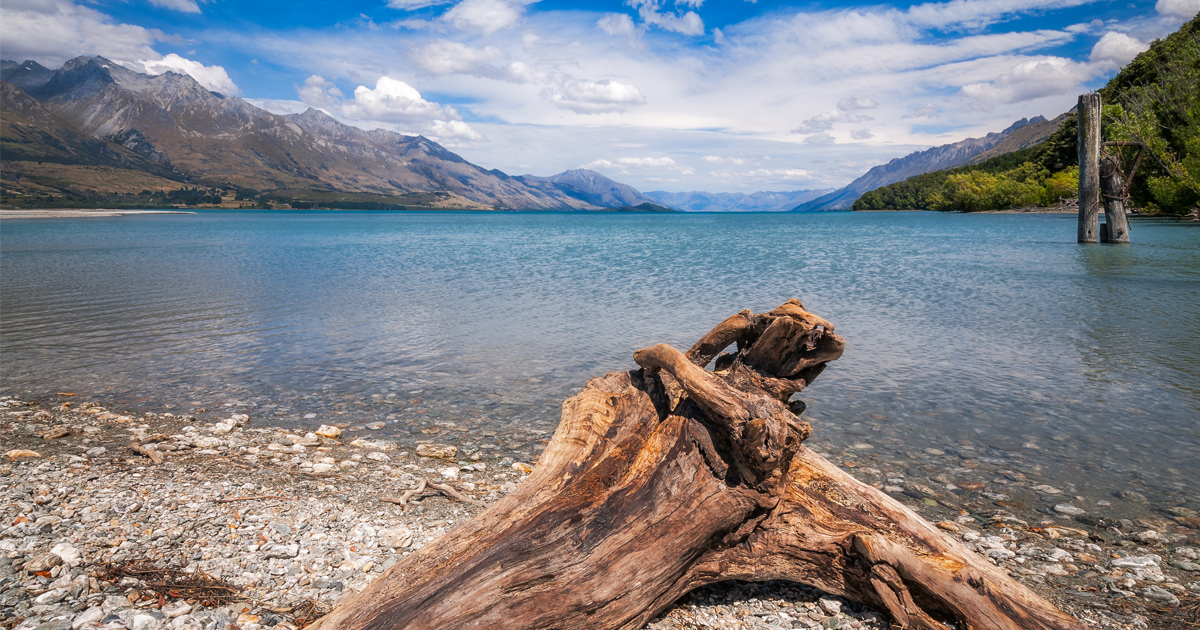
(152, 521)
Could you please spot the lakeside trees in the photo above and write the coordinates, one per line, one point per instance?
(1152, 100)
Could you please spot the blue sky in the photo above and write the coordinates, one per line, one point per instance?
(717, 95)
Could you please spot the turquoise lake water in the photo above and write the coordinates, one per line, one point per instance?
(992, 333)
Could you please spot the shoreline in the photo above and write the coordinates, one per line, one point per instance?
(76, 213)
(293, 520)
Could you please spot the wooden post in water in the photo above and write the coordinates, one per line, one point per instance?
(1089, 167)
(1112, 185)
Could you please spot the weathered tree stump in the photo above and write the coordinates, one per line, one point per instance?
(667, 478)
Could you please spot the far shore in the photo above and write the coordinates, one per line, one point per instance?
(74, 213)
(1029, 210)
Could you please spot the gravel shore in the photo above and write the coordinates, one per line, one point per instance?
(246, 526)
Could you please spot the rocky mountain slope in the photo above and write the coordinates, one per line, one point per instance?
(1024, 132)
(94, 111)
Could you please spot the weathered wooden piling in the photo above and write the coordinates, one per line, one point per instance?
(1112, 186)
(1089, 167)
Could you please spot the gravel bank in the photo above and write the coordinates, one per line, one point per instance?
(290, 521)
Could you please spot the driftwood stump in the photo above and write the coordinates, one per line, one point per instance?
(667, 478)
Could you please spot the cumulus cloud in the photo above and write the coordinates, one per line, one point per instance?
(211, 77)
(1028, 80)
(53, 31)
(486, 16)
(1116, 49)
(862, 134)
(393, 100)
(320, 92)
(594, 97)
(854, 102)
(452, 130)
(186, 6)
(825, 121)
(444, 57)
(650, 11)
(1182, 9)
(617, 24)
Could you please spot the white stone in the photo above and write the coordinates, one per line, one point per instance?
(395, 537)
(378, 457)
(327, 431)
(449, 472)
(323, 467)
(283, 551)
(68, 553)
(1070, 510)
(831, 606)
(144, 622)
(95, 613)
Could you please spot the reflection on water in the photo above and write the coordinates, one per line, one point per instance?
(994, 337)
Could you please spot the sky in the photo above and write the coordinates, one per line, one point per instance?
(678, 95)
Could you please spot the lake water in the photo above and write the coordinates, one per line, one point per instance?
(992, 337)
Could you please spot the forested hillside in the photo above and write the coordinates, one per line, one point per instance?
(1153, 100)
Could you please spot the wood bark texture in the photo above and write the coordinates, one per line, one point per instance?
(666, 478)
(1112, 185)
(1089, 167)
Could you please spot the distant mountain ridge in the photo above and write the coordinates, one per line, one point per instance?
(98, 113)
(1023, 133)
(765, 201)
(589, 186)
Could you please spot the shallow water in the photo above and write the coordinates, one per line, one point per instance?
(993, 337)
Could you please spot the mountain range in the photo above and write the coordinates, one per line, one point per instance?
(98, 127)
(96, 121)
(766, 201)
(1023, 133)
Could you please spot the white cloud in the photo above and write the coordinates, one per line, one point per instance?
(320, 92)
(186, 6)
(625, 163)
(862, 134)
(413, 5)
(784, 173)
(1114, 50)
(716, 159)
(617, 24)
(854, 102)
(976, 14)
(688, 23)
(1030, 79)
(925, 110)
(53, 31)
(486, 16)
(444, 57)
(212, 77)
(825, 120)
(820, 138)
(452, 130)
(393, 100)
(1182, 9)
(594, 97)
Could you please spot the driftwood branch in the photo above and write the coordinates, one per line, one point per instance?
(153, 454)
(422, 489)
(669, 477)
